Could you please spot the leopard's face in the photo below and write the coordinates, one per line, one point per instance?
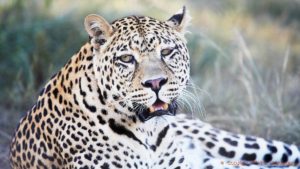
(142, 65)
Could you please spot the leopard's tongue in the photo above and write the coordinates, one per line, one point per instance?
(158, 106)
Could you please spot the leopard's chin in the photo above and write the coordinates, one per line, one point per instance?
(159, 108)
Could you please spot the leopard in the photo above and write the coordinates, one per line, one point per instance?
(114, 104)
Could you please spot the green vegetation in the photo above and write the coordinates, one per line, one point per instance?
(245, 58)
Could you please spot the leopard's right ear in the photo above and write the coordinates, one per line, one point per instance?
(180, 20)
(98, 29)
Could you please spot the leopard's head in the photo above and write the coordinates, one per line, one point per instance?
(141, 64)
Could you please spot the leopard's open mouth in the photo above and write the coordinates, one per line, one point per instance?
(159, 108)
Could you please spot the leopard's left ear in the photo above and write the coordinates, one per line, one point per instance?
(98, 29)
(180, 20)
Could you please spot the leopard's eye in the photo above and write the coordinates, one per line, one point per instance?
(166, 52)
(127, 58)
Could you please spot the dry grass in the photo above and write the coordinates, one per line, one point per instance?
(246, 97)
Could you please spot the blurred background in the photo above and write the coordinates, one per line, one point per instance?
(245, 58)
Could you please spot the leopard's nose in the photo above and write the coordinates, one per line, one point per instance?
(155, 84)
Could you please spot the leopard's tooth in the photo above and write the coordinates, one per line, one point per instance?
(165, 106)
(151, 109)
